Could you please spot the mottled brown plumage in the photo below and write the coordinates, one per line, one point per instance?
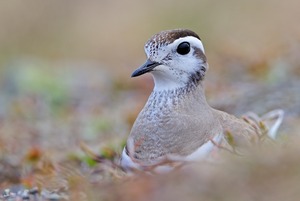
(173, 122)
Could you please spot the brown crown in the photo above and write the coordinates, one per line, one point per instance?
(164, 38)
(169, 36)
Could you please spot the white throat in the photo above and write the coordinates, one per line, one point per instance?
(165, 80)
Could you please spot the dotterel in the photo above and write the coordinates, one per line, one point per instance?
(176, 123)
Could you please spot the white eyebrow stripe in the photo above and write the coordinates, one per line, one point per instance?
(191, 39)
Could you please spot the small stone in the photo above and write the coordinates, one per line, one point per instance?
(25, 195)
(34, 191)
(6, 193)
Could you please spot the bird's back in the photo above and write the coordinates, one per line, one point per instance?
(242, 133)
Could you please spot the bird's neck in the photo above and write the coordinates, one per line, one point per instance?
(189, 96)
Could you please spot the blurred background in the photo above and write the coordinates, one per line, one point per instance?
(65, 66)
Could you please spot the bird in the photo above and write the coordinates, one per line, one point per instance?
(177, 124)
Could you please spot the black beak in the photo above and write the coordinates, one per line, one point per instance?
(145, 68)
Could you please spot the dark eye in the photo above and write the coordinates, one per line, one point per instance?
(183, 48)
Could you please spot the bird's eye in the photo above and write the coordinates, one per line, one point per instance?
(183, 48)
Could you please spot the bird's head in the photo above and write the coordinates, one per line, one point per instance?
(175, 58)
